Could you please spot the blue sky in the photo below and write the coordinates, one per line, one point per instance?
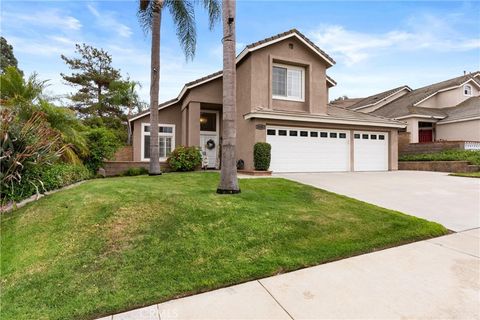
(377, 45)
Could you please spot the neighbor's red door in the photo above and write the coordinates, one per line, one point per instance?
(425, 135)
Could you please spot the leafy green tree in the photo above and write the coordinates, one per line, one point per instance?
(150, 16)
(7, 58)
(102, 145)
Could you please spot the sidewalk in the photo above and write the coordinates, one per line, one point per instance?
(436, 278)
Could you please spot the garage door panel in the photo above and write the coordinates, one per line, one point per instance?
(309, 154)
(370, 151)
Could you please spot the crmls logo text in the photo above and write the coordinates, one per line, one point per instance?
(168, 314)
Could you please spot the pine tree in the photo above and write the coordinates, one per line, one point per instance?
(97, 82)
(7, 58)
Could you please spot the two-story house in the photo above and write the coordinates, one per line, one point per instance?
(443, 111)
(282, 98)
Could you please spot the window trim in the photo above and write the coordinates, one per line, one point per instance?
(302, 80)
(160, 134)
(464, 89)
(217, 119)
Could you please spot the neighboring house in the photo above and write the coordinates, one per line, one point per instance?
(444, 111)
(282, 97)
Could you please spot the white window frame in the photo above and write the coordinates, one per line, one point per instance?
(469, 88)
(160, 134)
(302, 80)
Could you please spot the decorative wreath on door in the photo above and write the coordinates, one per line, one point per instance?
(210, 144)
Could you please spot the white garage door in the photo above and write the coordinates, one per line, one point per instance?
(371, 151)
(309, 150)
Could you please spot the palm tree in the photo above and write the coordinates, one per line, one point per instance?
(125, 94)
(150, 16)
(228, 176)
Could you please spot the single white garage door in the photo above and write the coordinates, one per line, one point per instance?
(371, 151)
(309, 150)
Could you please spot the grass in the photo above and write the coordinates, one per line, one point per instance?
(466, 174)
(473, 156)
(111, 245)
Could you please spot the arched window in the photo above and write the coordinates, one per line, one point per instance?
(467, 90)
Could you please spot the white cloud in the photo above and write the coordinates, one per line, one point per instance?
(108, 20)
(50, 18)
(419, 33)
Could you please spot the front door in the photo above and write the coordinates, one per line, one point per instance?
(425, 135)
(209, 136)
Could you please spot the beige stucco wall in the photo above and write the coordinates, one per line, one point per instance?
(209, 92)
(465, 130)
(449, 98)
(412, 128)
(316, 95)
(384, 101)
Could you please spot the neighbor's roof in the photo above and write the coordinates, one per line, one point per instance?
(345, 103)
(376, 98)
(249, 48)
(469, 108)
(407, 104)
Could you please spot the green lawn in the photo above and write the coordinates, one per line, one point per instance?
(111, 245)
(466, 174)
(450, 155)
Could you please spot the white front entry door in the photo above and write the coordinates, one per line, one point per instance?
(308, 149)
(209, 137)
(210, 153)
(371, 151)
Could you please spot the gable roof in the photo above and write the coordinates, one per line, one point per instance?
(403, 106)
(377, 98)
(249, 48)
(282, 36)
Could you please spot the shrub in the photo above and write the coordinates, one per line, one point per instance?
(261, 156)
(47, 177)
(185, 159)
(473, 156)
(23, 147)
(138, 171)
(102, 144)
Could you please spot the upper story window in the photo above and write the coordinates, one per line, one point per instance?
(288, 82)
(467, 90)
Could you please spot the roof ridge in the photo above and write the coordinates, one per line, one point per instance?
(370, 114)
(387, 92)
(285, 33)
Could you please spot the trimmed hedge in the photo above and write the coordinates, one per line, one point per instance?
(473, 156)
(47, 178)
(138, 171)
(262, 156)
(185, 159)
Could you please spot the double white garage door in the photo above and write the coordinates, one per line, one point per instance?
(320, 150)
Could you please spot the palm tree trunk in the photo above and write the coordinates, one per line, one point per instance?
(228, 178)
(154, 89)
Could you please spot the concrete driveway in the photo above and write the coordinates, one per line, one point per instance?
(451, 201)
